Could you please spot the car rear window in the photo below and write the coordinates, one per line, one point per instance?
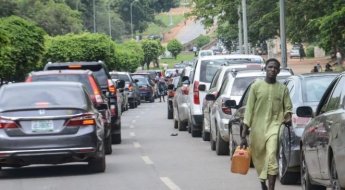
(120, 77)
(142, 81)
(65, 77)
(208, 69)
(240, 85)
(41, 97)
(314, 87)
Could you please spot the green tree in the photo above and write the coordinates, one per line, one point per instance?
(202, 40)
(174, 47)
(7, 8)
(23, 47)
(81, 47)
(151, 50)
(129, 56)
(54, 17)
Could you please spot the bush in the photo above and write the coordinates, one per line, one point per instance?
(175, 47)
(129, 56)
(202, 40)
(310, 51)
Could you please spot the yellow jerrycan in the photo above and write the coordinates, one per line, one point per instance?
(240, 161)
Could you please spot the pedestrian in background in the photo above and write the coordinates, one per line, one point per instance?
(301, 52)
(338, 56)
(328, 68)
(161, 89)
(315, 70)
(319, 67)
(268, 107)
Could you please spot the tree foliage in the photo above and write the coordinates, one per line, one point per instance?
(174, 47)
(152, 49)
(202, 40)
(22, 46)
(129, 56)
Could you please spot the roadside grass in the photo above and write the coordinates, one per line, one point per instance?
(183, 56)
(165, 18)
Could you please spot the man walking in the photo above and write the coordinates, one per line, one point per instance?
(268, 106)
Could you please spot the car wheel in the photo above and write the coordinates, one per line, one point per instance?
(108, 143)
(232, 145)
(132, 105)
(136, 104)
(305, 181)
(152, 99)
(181, 125)
(287, 177)
(98, 165)
(334, 176)
(205, 135)
(194, 132)
(116, 138)
(139, 102)
(170, 113)
(222, 147)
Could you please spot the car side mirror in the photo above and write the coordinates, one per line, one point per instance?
(304, 111)
(202, 87)
(210, 97)
(231, 104)
(170, 87)
(120, 84)
(102, 106)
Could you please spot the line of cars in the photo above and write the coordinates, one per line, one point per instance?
(69, 112)
(210, 100)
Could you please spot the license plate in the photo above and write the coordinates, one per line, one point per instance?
(42, 126)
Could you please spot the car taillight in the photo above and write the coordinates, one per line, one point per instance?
(29, 79)
(225, 109)
(111, 87)
(7, 123)
(299, 121)
(196, 92)
(96, 97)
(84, 120)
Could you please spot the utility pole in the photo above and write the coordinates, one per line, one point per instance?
(109, 20)
(131, 12)
(282, 34)
(239, 29)
(94, 16)
(245, 27)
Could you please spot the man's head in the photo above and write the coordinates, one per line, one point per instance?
(272, 68)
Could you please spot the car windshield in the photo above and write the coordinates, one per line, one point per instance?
(101, 76)
(240, 85)
(65, 77)
(120, 77)
(208, 68)
(206, 53)
(314, 87)
(41, 97)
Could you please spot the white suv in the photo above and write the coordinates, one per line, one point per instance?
(203, 72)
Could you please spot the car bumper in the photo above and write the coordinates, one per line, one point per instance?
(224, 129)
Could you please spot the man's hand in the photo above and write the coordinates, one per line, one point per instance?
(244, 143)
(287, 118)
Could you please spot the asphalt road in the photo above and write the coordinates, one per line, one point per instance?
(191, 31)
(148, 159)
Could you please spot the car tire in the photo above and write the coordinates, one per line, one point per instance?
(135, 104)
(222, 147)
(289, 177)
(98, 165)
(194, 132)
(205, 135)
(108, 143)
(116, 138)
(152, 99)
(170, 113)
(305, 181)
(334, 176)
(182, 126)
(212, 142)
(132, 105)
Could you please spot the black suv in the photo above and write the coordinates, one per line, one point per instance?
(100, 71)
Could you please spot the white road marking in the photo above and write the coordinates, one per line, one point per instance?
(147, 160)
(132, 134)
(136, 145)
(171, 185)
(131, 126)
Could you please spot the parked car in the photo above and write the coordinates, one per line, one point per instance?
(87, 78)
(322, 142)
(225, 128)
(145, 89)
(294, 51)
(55, 123)
(131, 88)
(203, 72)
(170, 96)
(214, 89)
(180, 100)
(122, 95)
(100, 70)
(305, 90)
(203, 53)
(151, 76)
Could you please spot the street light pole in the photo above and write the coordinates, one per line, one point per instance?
(131, 5)
(245, 27)
(94, 16)
(109, 20)
(282, 34)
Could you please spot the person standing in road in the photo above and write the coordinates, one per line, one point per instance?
(268, 106)
(301, 52)
(338, 56)
(161, 89)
